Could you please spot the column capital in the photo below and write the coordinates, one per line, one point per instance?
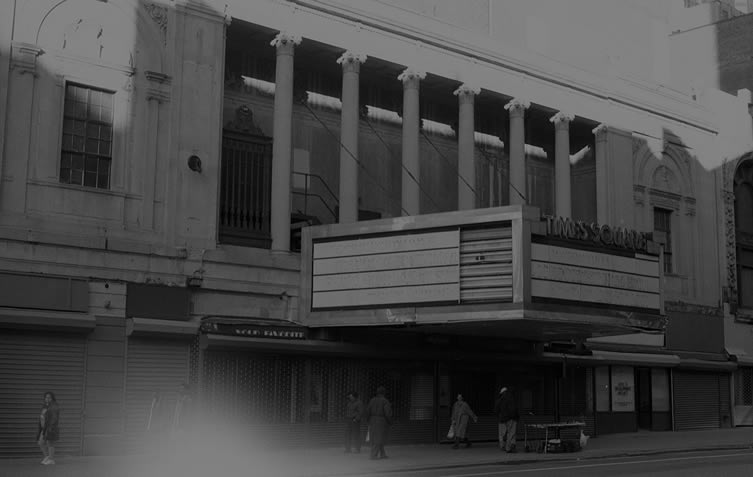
(467, 89)
(284, 38)
(24, 57)
(517, 105)
(600, 131)
(561, 118)
(350, 56)
(411, 73)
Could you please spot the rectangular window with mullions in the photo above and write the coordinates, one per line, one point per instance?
(87, 137)
(663, 234)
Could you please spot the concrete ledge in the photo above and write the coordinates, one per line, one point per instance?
(48, 320)
(152, 327)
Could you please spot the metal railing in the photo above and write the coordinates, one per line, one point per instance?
(330, 198)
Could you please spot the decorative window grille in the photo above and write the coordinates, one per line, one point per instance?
(245, 190)
(744, 387)
(87, 137)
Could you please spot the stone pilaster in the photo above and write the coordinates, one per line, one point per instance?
(466, 154)
(282, 143)
(411, 198)
(516, 108)
(349, 126)
(563, 195)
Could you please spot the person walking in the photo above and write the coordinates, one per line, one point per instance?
(353, 414)
(378, 414)
(48, 430)
(461, 413)
(182, 412)
(507, 414)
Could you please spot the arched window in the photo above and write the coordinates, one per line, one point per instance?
(744, 232)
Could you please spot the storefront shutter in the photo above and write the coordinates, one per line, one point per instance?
(696, 400)
(30, 365)
(153, 366)
(486, 265)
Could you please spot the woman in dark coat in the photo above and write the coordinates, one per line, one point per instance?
(48, 432)
(378, 414)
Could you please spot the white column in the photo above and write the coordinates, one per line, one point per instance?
(600, 153)
(411, 198)
(157, 93)
(466, 154)
(282, 143)
(562, 194)
(14, 159)
(349, 121)
(517, 108)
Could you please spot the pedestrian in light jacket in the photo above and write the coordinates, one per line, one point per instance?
(378, 414)
(461, 413)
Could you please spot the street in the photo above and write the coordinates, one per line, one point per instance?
(689, 464)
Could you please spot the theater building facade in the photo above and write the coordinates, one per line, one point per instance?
(279, 202)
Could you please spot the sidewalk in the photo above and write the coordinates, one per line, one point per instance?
(200, 462)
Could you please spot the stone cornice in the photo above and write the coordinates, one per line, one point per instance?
(156, 77)
(630, 92)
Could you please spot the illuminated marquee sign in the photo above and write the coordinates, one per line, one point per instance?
(567, 228)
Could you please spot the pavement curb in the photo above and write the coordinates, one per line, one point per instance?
(539, 460)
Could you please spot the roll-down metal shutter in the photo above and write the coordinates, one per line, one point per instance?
(30, 365)
(696, 400)
(153, 366)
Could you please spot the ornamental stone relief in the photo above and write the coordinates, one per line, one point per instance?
(244, 122)
(158, 13)
(664, 179)
(728, 195)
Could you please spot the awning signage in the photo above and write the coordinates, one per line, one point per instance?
(256, 330)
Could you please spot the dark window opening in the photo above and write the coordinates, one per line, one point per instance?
(663, 235)
(87, 137)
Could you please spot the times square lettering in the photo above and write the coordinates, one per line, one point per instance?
(595, 233)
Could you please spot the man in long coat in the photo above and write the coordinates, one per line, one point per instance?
(378, 414)
(461, 413)
(507, 414)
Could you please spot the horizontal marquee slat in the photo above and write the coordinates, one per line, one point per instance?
(388, 278)
(393, 261)
(583, 258)
(594, 294)
(591, 276)
(392, 244)
(385, 296)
